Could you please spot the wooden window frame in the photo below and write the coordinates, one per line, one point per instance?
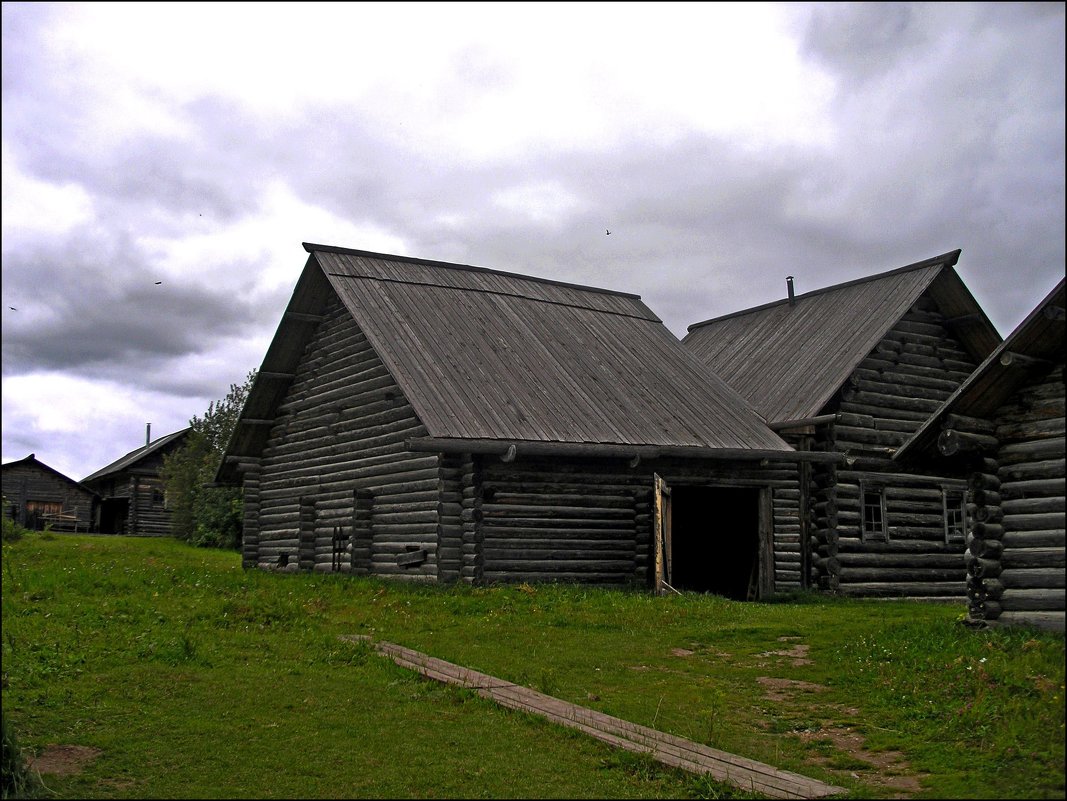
(873, 530)
(954, 503)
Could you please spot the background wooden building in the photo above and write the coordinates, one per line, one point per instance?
(133, 500)
(1005, 425)
(443, 422)
(855, 369)
(36, 496)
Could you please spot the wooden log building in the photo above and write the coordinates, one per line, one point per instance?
(1005, 426)
(441, 422)
(133, 499)
(38, 496)
(855, 369)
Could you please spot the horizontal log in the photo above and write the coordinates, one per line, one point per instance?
(1035, 488)
(1037, 450)
(1051, 621)
(1033, 577)
(849, 480)
(493, 530)
(1033, 557)
(1027, 471)
(933, 544)
(1034, 539)
(902, 574)
(905, 589)
(561, 565)
(860, 559)
(1029, 506)
(1034, 522)
(1031, 430)
(1015, 600)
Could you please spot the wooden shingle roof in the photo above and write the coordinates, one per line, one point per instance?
(788, 359)
(488, 355)
(1038, 340)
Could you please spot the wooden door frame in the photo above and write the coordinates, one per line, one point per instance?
(662, 534)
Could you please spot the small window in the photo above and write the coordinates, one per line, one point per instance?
(874, 517)
(955, 506)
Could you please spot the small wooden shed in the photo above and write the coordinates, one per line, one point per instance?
(36, 496)
(442, 422)
(133, 499)
(855, 369)
(1005, 426)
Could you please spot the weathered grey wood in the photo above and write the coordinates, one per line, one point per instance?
(675, 751)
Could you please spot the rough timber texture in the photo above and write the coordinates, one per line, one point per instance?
(1006, 424)
(1016, 558)
(914, 368)
(335, 464)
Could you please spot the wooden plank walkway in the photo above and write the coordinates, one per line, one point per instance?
(666, 748)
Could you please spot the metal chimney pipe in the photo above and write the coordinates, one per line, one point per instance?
(147, 433)
(789, 286)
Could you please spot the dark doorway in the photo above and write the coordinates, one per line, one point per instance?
(715, 533)
(113, 514)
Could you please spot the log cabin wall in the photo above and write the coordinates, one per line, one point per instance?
(335, 477)
(591, 520)
(34, 495)
(1016, 555)
(581, 521)
(905, 550)
(148, 515)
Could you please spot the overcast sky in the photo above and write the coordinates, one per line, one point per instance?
(724, 146)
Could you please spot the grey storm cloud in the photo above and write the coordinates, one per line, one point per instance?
(92, 308)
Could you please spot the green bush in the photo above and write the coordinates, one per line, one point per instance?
(19, 780)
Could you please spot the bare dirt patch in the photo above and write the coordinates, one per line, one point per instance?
(798, 654)
(887, 769)
(785, 689)
(64, 760)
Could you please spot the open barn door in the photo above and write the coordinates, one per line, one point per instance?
(661, 531)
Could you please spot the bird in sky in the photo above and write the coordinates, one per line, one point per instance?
(607, 232)
(158, 283)
(12, 308)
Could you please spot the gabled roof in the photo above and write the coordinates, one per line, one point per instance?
(788, 359)
(131, 459)
(33, 461)
(488, 355)
(1039, 337)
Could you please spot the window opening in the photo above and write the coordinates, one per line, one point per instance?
(874, 516)
(955, 509)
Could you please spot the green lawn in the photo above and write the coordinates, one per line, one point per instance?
(196, 679)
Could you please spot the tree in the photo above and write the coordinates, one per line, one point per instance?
(206, 515)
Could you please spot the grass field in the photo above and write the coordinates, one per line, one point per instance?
(165, 671)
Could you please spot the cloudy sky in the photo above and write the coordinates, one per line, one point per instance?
(724, 146)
